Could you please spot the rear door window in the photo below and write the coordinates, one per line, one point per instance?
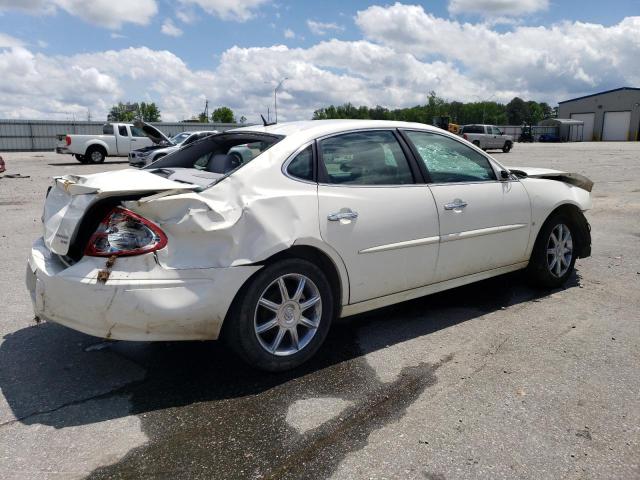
(365, 158)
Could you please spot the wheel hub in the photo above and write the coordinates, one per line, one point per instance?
(289, 315)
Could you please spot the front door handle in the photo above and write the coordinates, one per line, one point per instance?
(457, 204)
(348, 215)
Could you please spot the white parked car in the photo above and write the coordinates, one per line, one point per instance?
(144, 156)
(316, 221)
(487, 137)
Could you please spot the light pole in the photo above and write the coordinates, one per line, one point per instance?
(275, 96)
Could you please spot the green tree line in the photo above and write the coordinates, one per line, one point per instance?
(128, 112)
(516, 112)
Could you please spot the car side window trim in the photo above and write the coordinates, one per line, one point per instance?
(423, 167)
(323, 175)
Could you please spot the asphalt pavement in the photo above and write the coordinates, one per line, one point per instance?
(492, 380)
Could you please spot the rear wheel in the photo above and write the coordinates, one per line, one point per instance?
(282, 317)
(81, 158)
(554, 254)
(95, 155)
(507, 147)
(476, 143)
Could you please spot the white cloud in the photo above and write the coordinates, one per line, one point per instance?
(169, 28)
(322, 28)
(329, 72)
(237, 10)
(186, 15)
(117, 36)
(106, 13)
(7, 41)
(40, 86)
(539, 62)
(288, 33)
(497, 7)
(405, 53)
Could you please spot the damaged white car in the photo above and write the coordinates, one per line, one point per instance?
(315, 220)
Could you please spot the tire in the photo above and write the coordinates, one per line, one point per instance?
(476, 143)
(251, 330)
(507, 147)
(542, 271)
(81, 158)
(95, 155)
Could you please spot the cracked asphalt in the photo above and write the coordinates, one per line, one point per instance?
(492, 380)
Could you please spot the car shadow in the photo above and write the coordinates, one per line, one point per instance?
(221, 405)
(47, 366)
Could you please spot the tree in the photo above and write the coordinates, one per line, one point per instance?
(149, 112)
(517, 111)
(128, 112)
(223, 115)
(122, 112)
(547, 111)
(514, 113)
(534, 113)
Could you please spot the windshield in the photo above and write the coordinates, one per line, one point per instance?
(179, 138)
(219, 155)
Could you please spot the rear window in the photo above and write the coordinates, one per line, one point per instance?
(220, 154)
(107, 129)
(473, 129)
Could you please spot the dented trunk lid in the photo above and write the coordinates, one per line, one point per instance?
(71, 196)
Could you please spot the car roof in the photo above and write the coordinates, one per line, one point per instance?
(316, 128)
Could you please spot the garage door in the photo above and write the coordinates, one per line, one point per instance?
(588, 119)
(616, 126)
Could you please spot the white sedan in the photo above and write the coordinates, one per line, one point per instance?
(318, 220)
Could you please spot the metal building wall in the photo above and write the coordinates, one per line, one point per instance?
(624, 99)
(41, 135)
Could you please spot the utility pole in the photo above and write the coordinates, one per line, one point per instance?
(275, 96)
(206, 109)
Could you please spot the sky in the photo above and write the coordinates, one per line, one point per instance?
(68, 59)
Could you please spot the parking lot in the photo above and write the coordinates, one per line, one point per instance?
(491, 380)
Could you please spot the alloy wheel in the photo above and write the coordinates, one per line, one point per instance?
(288, 314)
(559, 250)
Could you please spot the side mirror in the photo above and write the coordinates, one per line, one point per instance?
(504, 175)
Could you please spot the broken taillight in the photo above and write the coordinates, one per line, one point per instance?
(67, 140)
(124, 233)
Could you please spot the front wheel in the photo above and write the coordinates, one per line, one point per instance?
(281, 318)
(554, 255)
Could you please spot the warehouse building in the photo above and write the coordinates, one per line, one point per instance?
(609, 116)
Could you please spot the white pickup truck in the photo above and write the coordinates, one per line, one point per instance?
(487, 137)
(117, 140)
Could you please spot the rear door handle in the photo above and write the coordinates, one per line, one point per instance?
(457, 204)
(348, 215)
